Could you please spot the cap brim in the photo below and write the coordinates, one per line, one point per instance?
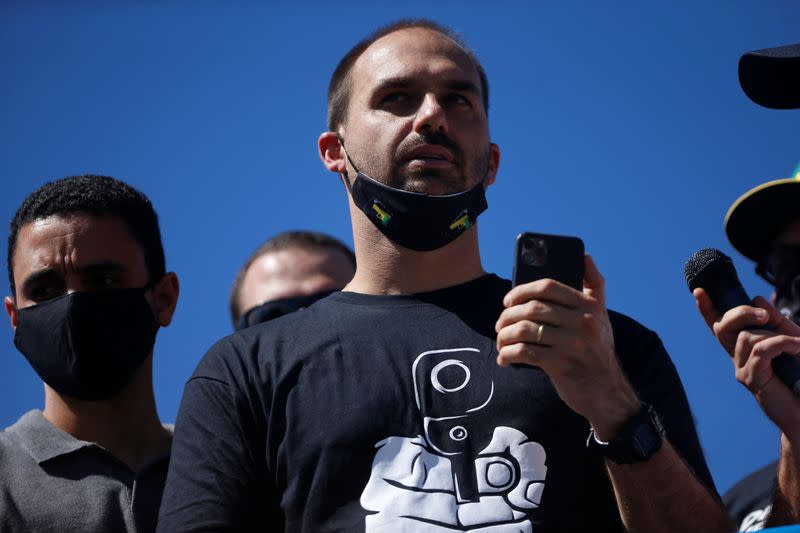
(771, 77)
(756, 217)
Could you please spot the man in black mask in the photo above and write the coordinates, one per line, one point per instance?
(427, 395)
(290, 271)
(89, 290)
(764, 226)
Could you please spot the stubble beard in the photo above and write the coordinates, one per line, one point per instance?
(419, 180)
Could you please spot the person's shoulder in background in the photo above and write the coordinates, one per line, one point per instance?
(749, 501)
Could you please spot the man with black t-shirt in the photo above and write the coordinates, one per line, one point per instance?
(427, 395)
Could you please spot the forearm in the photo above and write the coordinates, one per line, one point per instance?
(786, 505)
(662, 494)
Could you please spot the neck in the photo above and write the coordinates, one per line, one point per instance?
(386, 268)
(127, 424)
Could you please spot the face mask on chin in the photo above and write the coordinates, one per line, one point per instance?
(416, 221)
(88, 345)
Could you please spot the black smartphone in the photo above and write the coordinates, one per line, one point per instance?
(558, 257)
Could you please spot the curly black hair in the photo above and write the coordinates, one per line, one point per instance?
(94, 195)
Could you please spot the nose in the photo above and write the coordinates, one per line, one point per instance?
(430, 116)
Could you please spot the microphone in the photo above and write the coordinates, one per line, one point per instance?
(714, 272)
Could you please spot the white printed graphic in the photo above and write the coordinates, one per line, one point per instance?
(756, 520)
(462, 474)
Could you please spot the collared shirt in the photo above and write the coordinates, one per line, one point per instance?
(51, 481)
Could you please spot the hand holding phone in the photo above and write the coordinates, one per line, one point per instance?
(567, 333)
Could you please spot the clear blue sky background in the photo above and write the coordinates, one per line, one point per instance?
(624, 125)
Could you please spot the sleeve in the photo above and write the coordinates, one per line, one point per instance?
(218, 478)
(656, 381)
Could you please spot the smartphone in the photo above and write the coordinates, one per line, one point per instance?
(558, 257)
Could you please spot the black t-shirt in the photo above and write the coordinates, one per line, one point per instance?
(749, 502)
(389, 413)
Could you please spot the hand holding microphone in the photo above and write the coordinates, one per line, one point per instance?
(747, 333)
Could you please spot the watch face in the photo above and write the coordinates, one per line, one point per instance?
(648, 435)
(645, 442)
(639, 438)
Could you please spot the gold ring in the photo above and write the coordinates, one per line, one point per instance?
(540, 334)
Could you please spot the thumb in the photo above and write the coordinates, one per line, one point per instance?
(706, 307)
(594, 284)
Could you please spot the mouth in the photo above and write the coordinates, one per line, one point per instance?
(431, 156)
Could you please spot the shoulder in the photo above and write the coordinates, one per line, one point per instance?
(267, 347)
(755, 486)
(749, 501)
(631, 337)
(17, 450)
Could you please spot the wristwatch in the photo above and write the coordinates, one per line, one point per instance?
(638, 438)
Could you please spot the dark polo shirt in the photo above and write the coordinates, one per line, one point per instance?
(51, 481)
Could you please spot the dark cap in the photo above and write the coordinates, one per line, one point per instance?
(771, 77)
(755, 218)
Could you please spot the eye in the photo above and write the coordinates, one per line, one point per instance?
(395, 98)
(399, 102)
(102, 280)
(458, 100)
(45, 291)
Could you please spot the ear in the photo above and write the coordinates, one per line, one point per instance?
(13, 312)
(331, 153)
(494, 162)
(165, 297)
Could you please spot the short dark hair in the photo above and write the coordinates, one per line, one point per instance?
(97, 196)
(305, 240)
(340, 84)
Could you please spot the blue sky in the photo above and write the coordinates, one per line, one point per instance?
(625, 126)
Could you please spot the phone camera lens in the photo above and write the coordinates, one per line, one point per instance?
(534, 253)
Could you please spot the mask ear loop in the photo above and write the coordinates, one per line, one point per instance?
(344, 174)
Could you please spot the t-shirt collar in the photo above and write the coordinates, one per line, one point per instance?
(42, 439)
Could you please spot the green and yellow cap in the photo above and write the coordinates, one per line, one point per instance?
(756, 217)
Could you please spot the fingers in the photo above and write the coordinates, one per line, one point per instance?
(771, 347)
(537, 334)
(745, 342)
(776, 320)
(539, 312)
(526, 354)
(594, 285)
(706, 308)
(754, 365)
(544, 289)
(742, 317)
(735, 321)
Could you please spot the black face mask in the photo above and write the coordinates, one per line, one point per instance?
(417, 221)
(275, 308)
(88, 345)
(787, 298)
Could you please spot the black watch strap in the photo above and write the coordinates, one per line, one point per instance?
(638, 439)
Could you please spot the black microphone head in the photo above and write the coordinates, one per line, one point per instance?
(709, 267)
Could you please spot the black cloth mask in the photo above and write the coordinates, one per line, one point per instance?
(275, 308)
(88, 345)
(417, 221)
(787, 298)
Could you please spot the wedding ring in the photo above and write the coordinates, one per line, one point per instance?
(540, 334)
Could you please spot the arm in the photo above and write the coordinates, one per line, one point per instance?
(217, 478)
(752, 351)
(576, 350)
